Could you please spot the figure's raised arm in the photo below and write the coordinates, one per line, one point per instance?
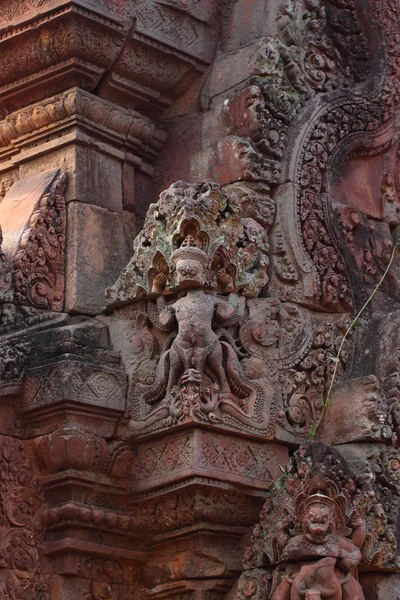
(167, 313)
(223, 312)
(359, 527)
(349, 556)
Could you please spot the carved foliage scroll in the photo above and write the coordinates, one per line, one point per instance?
(21, 527)
(38, 274)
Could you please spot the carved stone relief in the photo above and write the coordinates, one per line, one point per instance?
(158, 426)
(22, 530)
(200, 255)
(318, 525)
(34, 214)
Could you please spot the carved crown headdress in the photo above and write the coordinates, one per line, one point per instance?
(190, 251)
(221, 224)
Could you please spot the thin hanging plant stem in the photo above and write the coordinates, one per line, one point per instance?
(336, 359)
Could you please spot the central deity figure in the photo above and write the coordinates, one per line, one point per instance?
(197, 259)
(196, 348)
(320, 564)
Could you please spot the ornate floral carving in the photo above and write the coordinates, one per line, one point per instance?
(20, 524)
(320, 46)
(6, 291)
(391, 387)
(327, 135)
(381, 543)
(305, 383)
(38, 273)
(390, 200)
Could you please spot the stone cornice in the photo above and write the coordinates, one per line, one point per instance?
(118, 125)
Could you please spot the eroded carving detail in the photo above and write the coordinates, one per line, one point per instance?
(318, 524)
(198, 244)
(12, 360)
(20, 524)
(305, 383)
(6, 291)
(127, 124)
(38, 269)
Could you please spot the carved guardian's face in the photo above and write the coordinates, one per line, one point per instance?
(189, 273)
(318, 523)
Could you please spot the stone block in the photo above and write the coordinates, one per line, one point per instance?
(358, 413)
(380, 586)
(71, 392)
(382, 347)
(248, 20)
(205, 454)
(99, 245)
(98, 179)
(231, 70)
(185, 132)
(94, 177)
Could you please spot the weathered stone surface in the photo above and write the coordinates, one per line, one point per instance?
(19, 204)
(138, 446)
(34, 232)
(313, 529)
(80, 43)
(365, 418)
(379, 465)
(94, 177)
(379, 586)
(98, 245)
(206, 454)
